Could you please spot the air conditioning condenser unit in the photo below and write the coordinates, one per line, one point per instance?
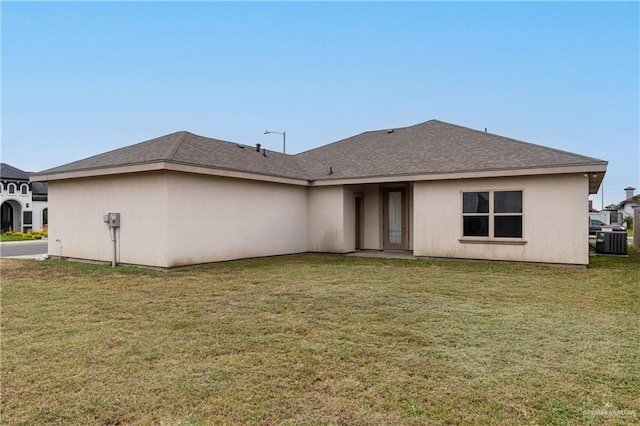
(611, 242)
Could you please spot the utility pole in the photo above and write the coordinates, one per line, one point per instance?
(284, 139)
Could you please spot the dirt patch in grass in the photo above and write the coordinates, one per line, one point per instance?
(321, 340)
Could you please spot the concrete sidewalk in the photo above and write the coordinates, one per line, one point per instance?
(28, 256)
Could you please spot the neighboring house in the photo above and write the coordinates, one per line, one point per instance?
(436, 189)
(625, 207)
(602, 215)
(612, 214)
(23, 205)
(609, 215)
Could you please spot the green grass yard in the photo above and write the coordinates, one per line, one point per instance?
(319, 339)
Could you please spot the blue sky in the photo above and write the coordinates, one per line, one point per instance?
(81, 78)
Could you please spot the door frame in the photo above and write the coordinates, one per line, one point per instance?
(386, 245)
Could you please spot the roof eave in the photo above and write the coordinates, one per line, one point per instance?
(595, 173)
(166, 166)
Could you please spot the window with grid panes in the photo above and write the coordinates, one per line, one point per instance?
(492, 214)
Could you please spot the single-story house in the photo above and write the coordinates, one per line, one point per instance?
(23, 204)
(435, 189)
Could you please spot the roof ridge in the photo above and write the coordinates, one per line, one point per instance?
(177, 144)
(384, 129)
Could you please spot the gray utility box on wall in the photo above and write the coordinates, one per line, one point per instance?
(611, 242)
(112, 219)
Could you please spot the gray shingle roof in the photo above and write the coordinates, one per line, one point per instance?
(39, 188)
(187, 148)
(432, 147)
(8, 172)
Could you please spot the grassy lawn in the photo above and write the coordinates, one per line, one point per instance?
(317, 339)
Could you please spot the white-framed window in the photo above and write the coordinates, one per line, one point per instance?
(11, 188)
(24, 189)
(492, 214)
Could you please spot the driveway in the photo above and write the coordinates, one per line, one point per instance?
(32, 249)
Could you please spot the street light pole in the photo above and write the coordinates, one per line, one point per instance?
(284, 139)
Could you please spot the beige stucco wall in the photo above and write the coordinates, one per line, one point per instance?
(171, 219)
(372, 217)
(554, 222)
(372, 199)
(213, 218)
(326, 215)
(77, 230)
(349, 218)
(332, 218)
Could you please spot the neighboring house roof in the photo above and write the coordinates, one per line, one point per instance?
(429, 148)
(39, 188)
(8, 172)
(632, 200)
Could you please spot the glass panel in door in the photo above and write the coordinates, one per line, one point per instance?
(395, 217)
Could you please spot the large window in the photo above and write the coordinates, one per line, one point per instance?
(492, 214)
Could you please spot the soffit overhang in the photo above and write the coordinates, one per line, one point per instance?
(594, 172)
(165, 166)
